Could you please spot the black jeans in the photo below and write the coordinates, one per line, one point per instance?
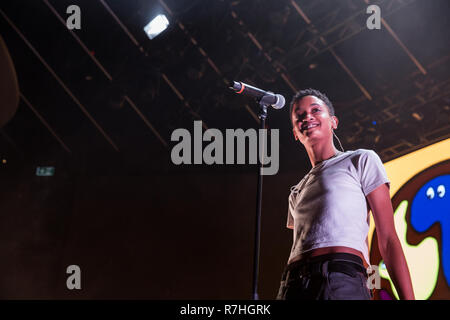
(337, 276)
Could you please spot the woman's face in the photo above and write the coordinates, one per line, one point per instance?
(311, 120)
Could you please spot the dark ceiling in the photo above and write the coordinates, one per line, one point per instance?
(107, 88)
(103, 101)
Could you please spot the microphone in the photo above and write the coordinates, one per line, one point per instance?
(277, 101)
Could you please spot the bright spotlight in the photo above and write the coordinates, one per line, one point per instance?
(156, 26)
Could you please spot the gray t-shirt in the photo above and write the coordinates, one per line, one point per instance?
(329, 207)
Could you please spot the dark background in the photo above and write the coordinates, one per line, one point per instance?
(139, 226)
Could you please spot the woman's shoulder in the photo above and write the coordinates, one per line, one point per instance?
(364, 152)
(362, 156)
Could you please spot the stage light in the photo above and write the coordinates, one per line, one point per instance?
(156, 26)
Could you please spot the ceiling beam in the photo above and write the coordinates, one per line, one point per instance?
(61, 83)
(141, 48)
(335, 35)
(45, 123)
(338, 59)
(106, 73)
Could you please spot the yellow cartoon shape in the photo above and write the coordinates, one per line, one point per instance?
(422, 259)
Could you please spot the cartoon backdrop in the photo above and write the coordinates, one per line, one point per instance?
(420, 190)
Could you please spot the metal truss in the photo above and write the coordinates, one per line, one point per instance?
(335, 32)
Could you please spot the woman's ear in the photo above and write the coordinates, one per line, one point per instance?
(295, 135)
(334, 121)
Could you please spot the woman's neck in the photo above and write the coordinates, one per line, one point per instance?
(318, 153)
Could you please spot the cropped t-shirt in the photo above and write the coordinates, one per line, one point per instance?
(328, 207)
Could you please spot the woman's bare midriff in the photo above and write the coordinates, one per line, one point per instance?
(327, 250)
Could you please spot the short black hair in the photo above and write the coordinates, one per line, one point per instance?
(311, 92)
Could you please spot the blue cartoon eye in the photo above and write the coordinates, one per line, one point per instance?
(441, 191)
(430, 193)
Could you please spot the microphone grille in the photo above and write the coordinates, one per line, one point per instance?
(280, 102)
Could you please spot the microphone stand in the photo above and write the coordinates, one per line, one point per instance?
(262, 116)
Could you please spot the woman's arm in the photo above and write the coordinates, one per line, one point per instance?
(388, 242)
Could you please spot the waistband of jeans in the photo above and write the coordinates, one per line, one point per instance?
(339, 256)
